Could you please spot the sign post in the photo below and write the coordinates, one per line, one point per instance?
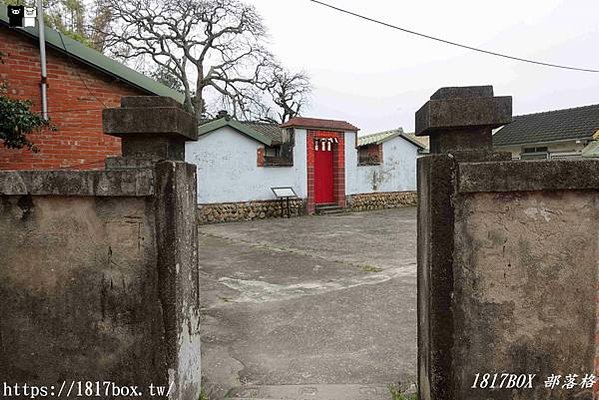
(284, 193)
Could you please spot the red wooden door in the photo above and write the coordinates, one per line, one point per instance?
(323, 176)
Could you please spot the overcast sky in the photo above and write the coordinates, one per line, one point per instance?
(377, 78)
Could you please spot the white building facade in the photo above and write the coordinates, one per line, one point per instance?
(238, 164)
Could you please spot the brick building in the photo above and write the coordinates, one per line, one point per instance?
(81, 82)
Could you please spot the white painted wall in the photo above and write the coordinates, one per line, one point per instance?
(351, 162)
(228, 170)
(570, 147)
(397, 172)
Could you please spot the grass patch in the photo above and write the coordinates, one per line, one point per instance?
(203, 395)
(370, 268)
(396, 394)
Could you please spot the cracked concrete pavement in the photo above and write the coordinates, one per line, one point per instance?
(328, 300)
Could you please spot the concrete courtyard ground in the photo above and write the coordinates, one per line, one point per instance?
(309, 308)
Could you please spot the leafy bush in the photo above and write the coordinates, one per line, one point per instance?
(17, 121)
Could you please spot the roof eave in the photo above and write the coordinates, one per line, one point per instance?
(389, 137)
(413, 141)
(312, 128)
(586, 137)
(222, 122)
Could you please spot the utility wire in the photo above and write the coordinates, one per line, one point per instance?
(452, 43)
(73, 110)
(86, 164)
(77, 71)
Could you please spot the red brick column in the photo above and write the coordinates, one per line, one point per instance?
(311, 205)
(261, 156)
(338, 166)
(339, 173)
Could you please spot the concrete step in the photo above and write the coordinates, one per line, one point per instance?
(310, 392)
(326, 209)
(327, 205)
(330, 212)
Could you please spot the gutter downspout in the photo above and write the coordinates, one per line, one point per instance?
(44, 76)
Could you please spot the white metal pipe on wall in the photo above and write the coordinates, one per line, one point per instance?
(43, 72)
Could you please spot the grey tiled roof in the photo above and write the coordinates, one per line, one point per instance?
(272, 131)
(382, 137)
(572, 123)
(270, 134)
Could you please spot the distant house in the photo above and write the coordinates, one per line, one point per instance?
(549, 135)
(240, 162)
(387, 162)
(324, 161)
(81, 82)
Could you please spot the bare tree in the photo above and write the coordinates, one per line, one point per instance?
(209, 45)
(289, 92)
(100, 21)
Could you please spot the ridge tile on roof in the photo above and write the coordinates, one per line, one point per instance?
(317, 123)
(382, 137)
(246, 129)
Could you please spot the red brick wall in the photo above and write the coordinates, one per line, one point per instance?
(338, 165)
(261, 156)
(79, 143)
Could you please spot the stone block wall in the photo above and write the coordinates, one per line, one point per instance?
(379, 201)
(247, 211)
(253, 210)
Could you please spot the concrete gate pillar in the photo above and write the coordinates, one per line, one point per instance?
(459, 122)
(153, 132)
(507, 259)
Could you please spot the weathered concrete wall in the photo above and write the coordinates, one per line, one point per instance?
(507, 259)
(396, 173)
(99, 277)
(78, 283)
(178, 273)
(100, 283)
(524, 284)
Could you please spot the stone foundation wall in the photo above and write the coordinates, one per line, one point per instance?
(379, 201)
(247, 211)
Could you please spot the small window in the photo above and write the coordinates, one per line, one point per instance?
(271, 151)
(535, 149)
(279, 155)
(534, 153)
(370, 154)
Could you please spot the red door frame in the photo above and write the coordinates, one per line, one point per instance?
(324, 180)
(338, 167)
